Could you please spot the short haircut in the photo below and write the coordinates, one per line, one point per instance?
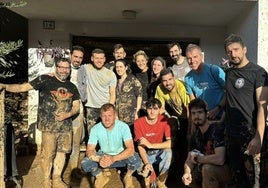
(140, 52)
(192, 47)
(232, 38)
(198, 103)
(106, 107)
(58, 60)
(165, 72)
(161, 59)
(97, 51)
(152, 102)
(170, 45)
(78, 48)
(117, 47)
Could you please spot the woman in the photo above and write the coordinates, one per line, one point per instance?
(128, 93)
(143, 74)
(157, 65)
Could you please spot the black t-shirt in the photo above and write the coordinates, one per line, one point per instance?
(54, 97)
(241, 107)
(207, 142)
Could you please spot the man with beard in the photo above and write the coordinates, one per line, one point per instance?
(206, 160)
(77, 55)
(246, 112)
(172, 94)
(97, 86)
(180, 67)
(58, 102)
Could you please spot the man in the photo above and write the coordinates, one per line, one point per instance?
(180, 67)
(77, 55)
(204, 80)
(172, 94)
(206, 160)
(118, 53)
(116, 148)
(153, 134)
(97, 86)
(58, 102)
(245, 112)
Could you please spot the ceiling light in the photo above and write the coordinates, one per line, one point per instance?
(129, 14)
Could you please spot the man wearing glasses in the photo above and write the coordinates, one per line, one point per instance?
(58, 102)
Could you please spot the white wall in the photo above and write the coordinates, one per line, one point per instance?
(211, 38)
(246, 25)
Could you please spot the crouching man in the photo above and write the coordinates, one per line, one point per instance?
(116, 148)
(205, 163)
(153, 134)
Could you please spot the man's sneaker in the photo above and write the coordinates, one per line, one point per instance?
(101, 180)
(128, 181)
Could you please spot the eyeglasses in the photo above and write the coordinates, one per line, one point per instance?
(62, 68)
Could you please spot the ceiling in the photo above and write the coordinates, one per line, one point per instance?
(190, 12)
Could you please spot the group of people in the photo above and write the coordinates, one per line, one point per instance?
(207, 123)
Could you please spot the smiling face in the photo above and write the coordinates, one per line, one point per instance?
(157, 67)
(168, 81)
(120, 68)
(76, 58)
(62, 70)
(98, 60)
(195, 59)
(119, 53)
(175, 53)
(236, 53)
(141, 62)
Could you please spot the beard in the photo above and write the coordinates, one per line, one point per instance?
(175, 58)
(199, 122)
(62, 77)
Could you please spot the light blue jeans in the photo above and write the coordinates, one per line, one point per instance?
(132, 163)
(162, 157)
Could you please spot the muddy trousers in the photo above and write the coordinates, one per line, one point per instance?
(54, 149)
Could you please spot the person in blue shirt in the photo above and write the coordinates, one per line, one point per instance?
(205, 81)
(116, 148)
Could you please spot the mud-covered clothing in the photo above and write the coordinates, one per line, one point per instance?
(241, 118)
(208, 84)
(209, 174)
(54, 97)
(94, 85)
(177, 99)
(126, 98)
(207, 142)
(111, 142)
(180, 70)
